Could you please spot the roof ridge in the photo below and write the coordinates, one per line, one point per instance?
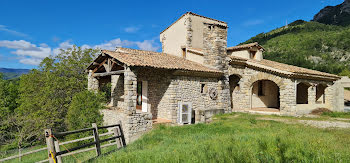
(194, 14)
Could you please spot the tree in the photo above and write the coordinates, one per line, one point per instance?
(46, 93)
(8, 96)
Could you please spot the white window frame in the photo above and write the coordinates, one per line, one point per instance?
(189, 114)
(144, 96)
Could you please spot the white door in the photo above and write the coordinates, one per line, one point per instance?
(144, 96)
(185, 113)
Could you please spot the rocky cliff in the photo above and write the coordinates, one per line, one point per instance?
(335, 15)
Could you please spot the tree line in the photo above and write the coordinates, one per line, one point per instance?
(52, 96)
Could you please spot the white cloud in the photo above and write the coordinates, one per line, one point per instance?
(131, 29)
(25, 48)
(63, 45)
(253, 22)
(13, 32)
(20, 44)
(147, 45)
(112, 44)
(29, 53)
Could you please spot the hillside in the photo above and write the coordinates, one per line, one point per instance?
(308, 44)
(10, 73)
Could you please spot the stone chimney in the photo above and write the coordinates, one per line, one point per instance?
(214, 45)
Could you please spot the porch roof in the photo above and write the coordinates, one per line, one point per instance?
(245, 46)
(142, 58)
(281, 68)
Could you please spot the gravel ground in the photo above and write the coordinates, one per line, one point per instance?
(314, 123)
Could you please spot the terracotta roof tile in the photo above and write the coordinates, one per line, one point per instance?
(245, 46)
(133, 57)
(283, 68)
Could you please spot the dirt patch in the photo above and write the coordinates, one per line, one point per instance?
(320, 111)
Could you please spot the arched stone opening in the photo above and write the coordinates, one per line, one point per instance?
(234, 90)
(320, 94)
(265, 94)
(302, 93)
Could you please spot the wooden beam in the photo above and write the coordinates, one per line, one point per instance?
(100, 64)
(108, 73)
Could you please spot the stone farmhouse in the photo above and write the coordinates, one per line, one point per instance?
(196, 76)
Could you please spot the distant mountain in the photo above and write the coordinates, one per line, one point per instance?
(10, 73)
(335, 15)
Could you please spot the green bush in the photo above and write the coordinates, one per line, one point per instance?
(84, 110)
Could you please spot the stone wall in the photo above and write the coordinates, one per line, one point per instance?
(133, 126)
(136, 125)
(159, 90)
(165, 91)
(188, 89)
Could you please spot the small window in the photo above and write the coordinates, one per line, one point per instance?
(252, 54)
(260, 88)
(202, 88)
(183, 52)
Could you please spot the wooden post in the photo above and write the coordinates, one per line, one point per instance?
(97, 139)
(122, 134)
(57, 147)
(116, 132)
(50, 146)
(20, 154)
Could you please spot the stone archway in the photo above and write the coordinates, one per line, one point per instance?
(266, 76)
(235, 89)
(265, 94)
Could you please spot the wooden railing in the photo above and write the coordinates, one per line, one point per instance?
(53, 145)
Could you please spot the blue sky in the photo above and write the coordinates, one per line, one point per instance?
(32, 30)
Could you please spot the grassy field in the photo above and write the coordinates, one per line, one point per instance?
(238, 138)
(235, 137)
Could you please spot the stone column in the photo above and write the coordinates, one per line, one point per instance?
(335, 97)
(92, 82)
(311, 92)
(224, 96)
(288, 98)
(130, 91)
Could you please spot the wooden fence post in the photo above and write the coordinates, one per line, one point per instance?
(20, 154)
(50, 146)
(57, 147)
(116, 132)
(97, 139)
(122, 134)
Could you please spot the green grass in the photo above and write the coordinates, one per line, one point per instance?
(337, 114)
(232, 138)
